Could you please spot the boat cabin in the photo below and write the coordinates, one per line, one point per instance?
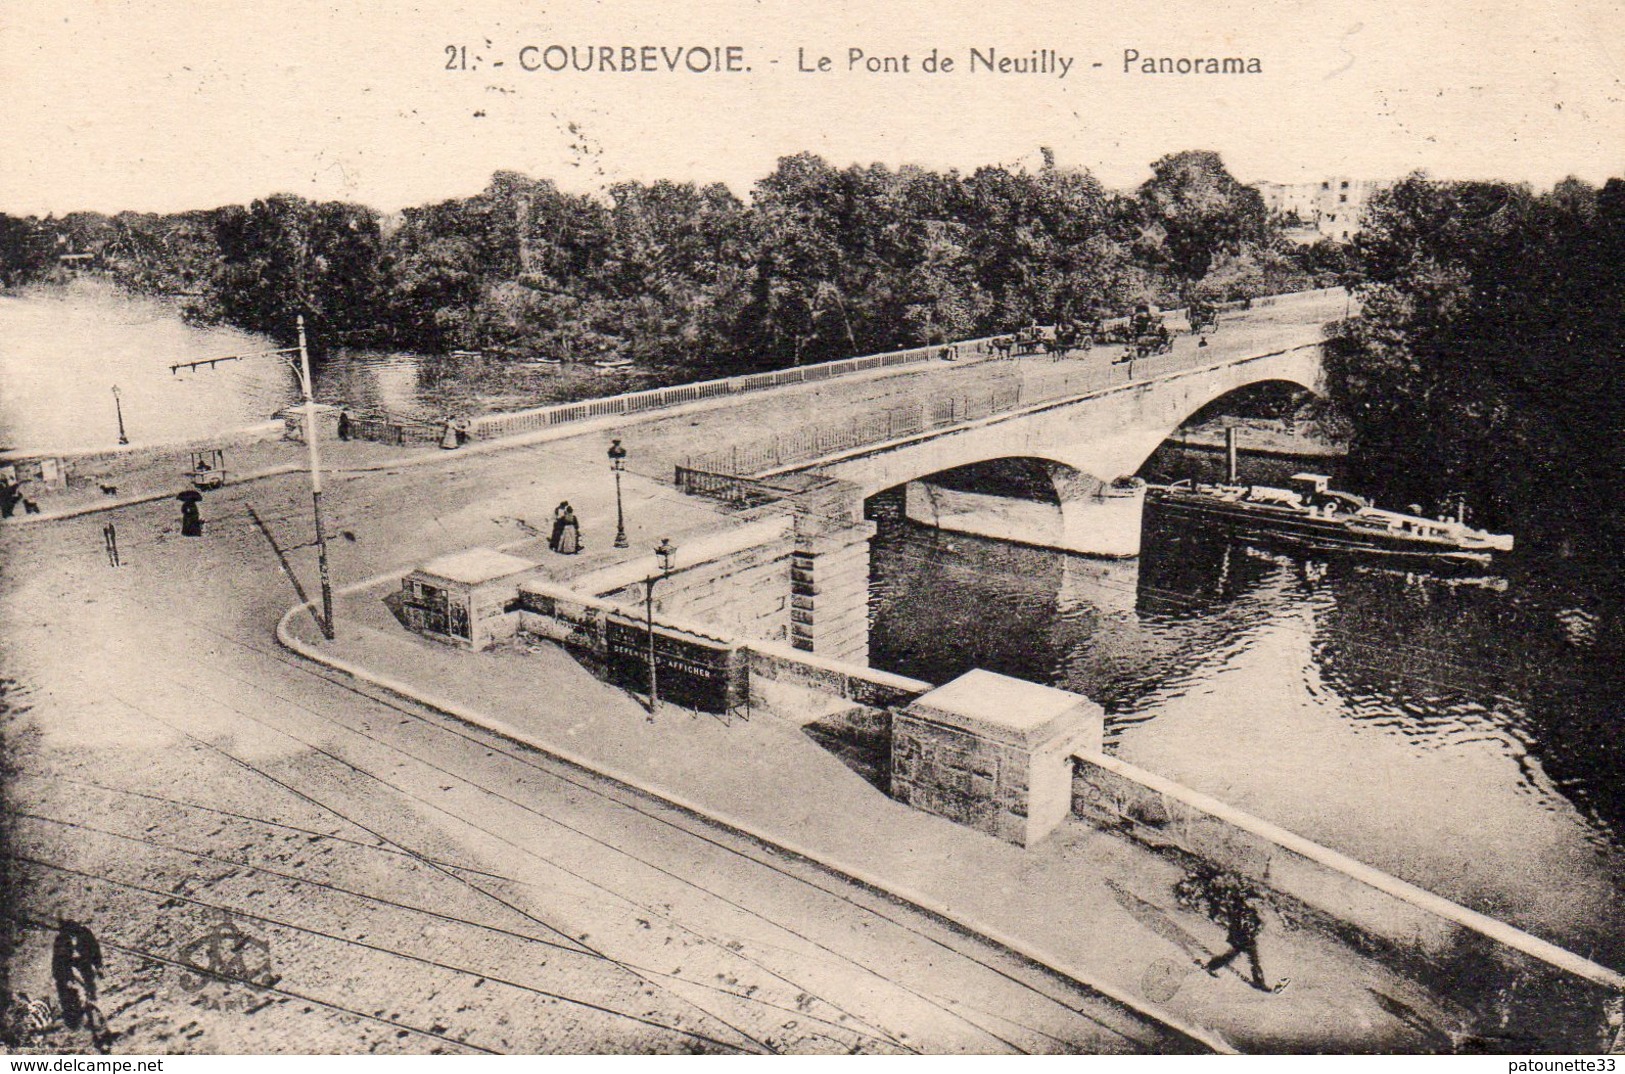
(1309, 485)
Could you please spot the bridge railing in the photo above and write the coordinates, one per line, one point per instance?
(817, 442)
(805, 445)
(491, 426)
(1078, 378)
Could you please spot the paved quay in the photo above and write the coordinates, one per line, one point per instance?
(1087, 903)
(421, 885)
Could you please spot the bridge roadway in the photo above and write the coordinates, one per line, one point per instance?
(841, 420)
(422, 886)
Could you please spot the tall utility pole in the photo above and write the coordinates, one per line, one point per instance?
(315, 482)
(302, 371)
(118, 406)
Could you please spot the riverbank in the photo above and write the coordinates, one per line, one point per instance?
(1261, 436)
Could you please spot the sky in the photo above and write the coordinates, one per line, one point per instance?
(161, 105)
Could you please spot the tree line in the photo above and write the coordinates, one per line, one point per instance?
(1486, 363)
(820, 263)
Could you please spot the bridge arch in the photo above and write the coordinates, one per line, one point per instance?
(1088, 441)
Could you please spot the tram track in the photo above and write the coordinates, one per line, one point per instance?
(205, 745)
(306, 881)
(693, 827)
(163, 898)
(685, 827)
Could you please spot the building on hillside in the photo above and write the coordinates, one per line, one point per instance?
(1328, 209)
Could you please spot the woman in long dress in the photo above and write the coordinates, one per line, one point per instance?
(558, 526)
(569, 530)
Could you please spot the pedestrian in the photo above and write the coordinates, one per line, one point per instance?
(569, 530)
(344, 424)
(191, 520)
(76, 963)
(1242, 924)
(558, 525)
(110, 541)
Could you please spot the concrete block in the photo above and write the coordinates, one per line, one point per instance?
(993, 753)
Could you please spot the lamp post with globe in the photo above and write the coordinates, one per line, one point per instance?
(666, 556)
(617, 464)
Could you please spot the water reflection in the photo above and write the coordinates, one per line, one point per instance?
(1443, 729)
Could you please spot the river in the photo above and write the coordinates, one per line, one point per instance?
(1459, 732)
(63, 349)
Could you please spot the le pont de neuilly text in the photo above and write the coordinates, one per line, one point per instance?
(739, 59)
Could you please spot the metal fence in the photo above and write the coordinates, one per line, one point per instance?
(730, 488)
(386, 430)
(491, 426)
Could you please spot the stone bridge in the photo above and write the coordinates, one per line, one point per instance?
(1085, 441)
(1087, 419)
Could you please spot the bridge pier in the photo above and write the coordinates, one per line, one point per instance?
(1096, 519)
(829, 575)
(1089, 519)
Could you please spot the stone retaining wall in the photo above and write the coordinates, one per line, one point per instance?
(745, 594)
(1515, 986)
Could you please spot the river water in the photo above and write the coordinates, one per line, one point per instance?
(64, 349)
(1459, 732)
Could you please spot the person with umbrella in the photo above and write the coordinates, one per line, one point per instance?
(191, 520)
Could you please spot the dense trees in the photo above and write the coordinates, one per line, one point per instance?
(821, 263)
(26, 250)
(1488, 346)
(1487, 359)
(1197, 212)
(284, 256)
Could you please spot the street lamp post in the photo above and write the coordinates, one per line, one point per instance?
(315, 482)
(118, 407)
(302, 371)
(666, 554)
(617, 463)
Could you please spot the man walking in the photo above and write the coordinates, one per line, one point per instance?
(1242, 924)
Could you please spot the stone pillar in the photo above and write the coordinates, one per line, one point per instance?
(1098, 519)
(829, 594)
(829, 573)
(993, 753)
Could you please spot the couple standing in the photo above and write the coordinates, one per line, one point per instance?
(566, 536)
